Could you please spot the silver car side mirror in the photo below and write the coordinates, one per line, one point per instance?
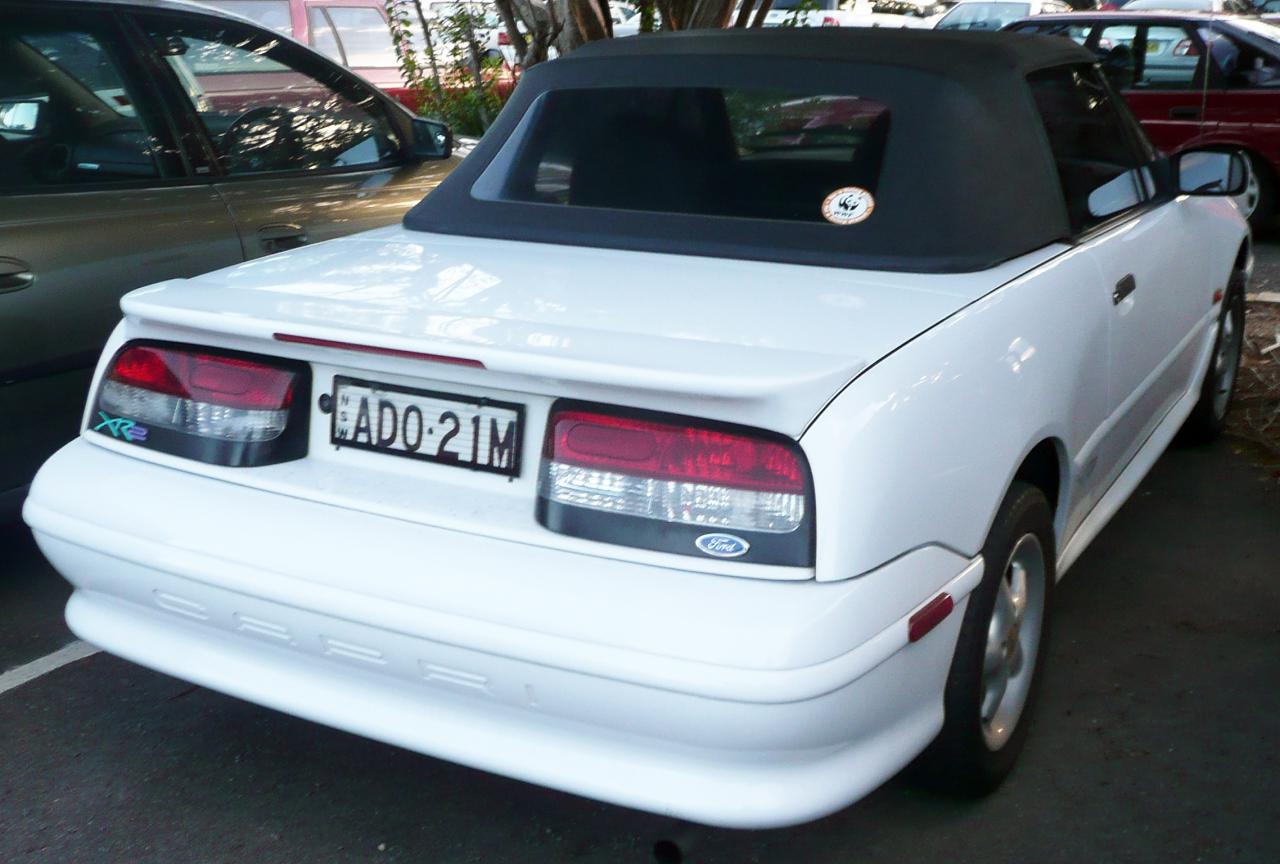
(1211, 172)
(431, 139)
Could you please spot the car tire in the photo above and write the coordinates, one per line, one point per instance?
(1209, 416)
(987, 719)
(1258, 202)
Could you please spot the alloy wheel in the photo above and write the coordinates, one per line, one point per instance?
(1226, 360)
(1013, 640)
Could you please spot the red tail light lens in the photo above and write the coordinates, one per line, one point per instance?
(227, 381)
(664, 451)
(220, 407)
(829, 21)
(675, 485)
(504, 38)
(1186, 48)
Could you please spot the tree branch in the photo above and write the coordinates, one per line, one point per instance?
(508, 15)
(765, 6)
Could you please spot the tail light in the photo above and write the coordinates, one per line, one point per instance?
(1186, 48)
(829, 21)
(504, 38)
(225, 408)
(676, 485)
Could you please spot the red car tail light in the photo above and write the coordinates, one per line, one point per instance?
(676, 485)
(504, 38)
(1186, 48)
(215, 406)
(830, 21)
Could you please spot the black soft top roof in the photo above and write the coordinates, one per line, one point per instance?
(967, 181)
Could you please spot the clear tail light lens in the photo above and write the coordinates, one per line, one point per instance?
(219, 407)
(676, 486)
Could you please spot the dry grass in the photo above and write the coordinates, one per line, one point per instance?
(1255, 414)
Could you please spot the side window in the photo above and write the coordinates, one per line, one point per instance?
(1117, 50)
(269, 13)
(1171, 60)
(268, 107)
(1076, 31)
(323, 39)
(70, 113)
(365, 36)
(1100, 163)
(1241, 66)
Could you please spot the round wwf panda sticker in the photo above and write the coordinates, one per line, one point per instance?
(848, 205)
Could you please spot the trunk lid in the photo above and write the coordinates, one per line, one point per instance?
(755, 343)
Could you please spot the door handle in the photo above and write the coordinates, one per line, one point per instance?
(1124, 288)
(1184, 112)
(277, 238)
(14, 275)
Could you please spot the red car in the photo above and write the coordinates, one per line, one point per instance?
(1192, 80)
(351, 32)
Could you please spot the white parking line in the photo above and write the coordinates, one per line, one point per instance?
(31, 671)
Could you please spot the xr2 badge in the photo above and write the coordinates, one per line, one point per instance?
(119, 427)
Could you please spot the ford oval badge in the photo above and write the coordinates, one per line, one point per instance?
(722, 545)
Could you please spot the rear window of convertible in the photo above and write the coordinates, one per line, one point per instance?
(756, 153)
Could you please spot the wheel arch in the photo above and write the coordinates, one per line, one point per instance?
(1243, 255)
(1046, 466)
(1043, 467)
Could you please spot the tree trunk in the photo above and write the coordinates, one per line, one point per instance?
(765, 6)
(508, 15)
(431, 48)
(695, 14)
(477, 70)
(592, 19)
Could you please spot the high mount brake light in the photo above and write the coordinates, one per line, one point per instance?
(220, 407)
(667, 483)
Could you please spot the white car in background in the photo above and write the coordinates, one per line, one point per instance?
(848, 13)
(995, 14)
(660, 456)
(1224, 7)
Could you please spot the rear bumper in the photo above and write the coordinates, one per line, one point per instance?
(668, 724)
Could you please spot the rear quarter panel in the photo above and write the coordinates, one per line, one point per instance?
(921, 447)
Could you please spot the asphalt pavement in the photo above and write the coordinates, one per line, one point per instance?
(1157, 738)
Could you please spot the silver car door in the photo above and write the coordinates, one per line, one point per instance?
(306, 151)
(94, 201)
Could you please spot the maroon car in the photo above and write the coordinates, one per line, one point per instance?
(1193, 80)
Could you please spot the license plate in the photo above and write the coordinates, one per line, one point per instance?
(466, 431)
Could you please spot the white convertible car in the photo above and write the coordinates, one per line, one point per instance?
(709, 442)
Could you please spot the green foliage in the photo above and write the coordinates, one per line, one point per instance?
(796, 18)
(645, 9)
(444, 64)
